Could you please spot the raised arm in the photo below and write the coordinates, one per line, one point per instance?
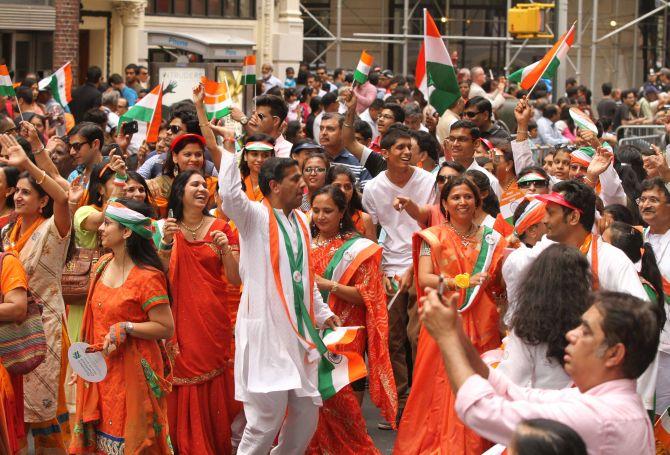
(205, 126)
(235, 204)
(523, 156)
(17, 157)
(348, 133)
(42, 154)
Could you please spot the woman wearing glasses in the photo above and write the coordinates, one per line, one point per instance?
(40, 237)
(258, 147)
(314, 172)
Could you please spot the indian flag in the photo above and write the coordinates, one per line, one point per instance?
(249, 72)
(339, 368)
(439, 71)
(6, 87)
(582, 120)
(217, 101)
(60, 84)
(546, 68)
(148, 113)
(662, 433)
(363, 68)
(420, 72)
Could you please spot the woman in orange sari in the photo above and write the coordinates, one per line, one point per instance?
(468, 257)
(202, 254)
(348, 274)
(127, 315)
(13, 286)
(187, 152)
(341, 177)
(257, 149)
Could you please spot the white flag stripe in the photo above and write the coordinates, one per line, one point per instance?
(436, 51)
(216, 107)
(6, 80)
(249, 69)
(362, 67)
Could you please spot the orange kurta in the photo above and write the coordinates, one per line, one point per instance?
(128, 409)
(429, 423)
(202, 405)
(342, 428)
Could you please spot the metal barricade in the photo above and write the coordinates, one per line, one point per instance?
(641, 136)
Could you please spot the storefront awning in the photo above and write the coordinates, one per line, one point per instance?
(211, 45)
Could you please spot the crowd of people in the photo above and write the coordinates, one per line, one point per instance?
(507, 269)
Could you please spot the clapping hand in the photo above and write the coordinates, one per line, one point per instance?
(12, 152)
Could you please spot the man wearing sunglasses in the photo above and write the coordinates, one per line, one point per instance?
(269, 118)
(85, 142)
(479, 111)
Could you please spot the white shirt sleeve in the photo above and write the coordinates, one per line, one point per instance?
(321, 309)
(235, 204)
(523, 156)
(369, 206)
(611, 189)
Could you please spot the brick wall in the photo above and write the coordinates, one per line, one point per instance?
(66, 36)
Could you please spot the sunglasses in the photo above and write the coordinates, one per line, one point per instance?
(535, 183)
(471, 114)
(76, 146)
(441, 179)
(174, 129)
(314, 170)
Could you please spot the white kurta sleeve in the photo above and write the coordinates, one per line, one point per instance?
(321, 309)
(234, 203)
(523, 156)
(611, 189)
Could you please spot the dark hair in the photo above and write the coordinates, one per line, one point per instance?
(93, 74)
(481, 104)
(333, 115)
(627, 92)
(581, 196)
(656, 183)
(546, 437)
(377, 103)
(490, 203)
(328, 99)
(363, 128)
(458, 167)
(115, 79)
(314, 103)
(355, 203)
(90, 131)
(97, 180)
(453, 182)
(539, 297)
(467, 125)
(48, 209)
(132, 175)
(186, 113)
(131, 66)
(292, 130)
(96, 115)
(25, 94)
(392, 136)
(141, 250)
(619, 213)
(11, 176)
(606, 88)
(169, 165)
(317, 155)
(256, 137)
(549, 110)
(428, 143)
(398, 111)
(630, 241)
(634, 323)
(176, 198)
(274, 168)
(340, 200)
(276, 104)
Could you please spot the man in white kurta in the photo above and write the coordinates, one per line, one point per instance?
(273, 371)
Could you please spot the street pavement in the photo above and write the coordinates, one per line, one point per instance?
(383, 439)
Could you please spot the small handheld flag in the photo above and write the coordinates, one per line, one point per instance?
(582, 120)
(217, 99)
(6, 86)
(148, 113)
(60, 84)
(529, 76)
(363, 68)
(249, 73)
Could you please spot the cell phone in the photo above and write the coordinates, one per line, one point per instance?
(666, 107)
(170, 214)
(129, 128)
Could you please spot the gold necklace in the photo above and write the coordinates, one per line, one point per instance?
(193, 231)
(318, 242)
(465, 238)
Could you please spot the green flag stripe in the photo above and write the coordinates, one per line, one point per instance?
(7, 90)
(360, 77)
(335, 261)
(53, 85)
(139, 113)
(248, 79)
(443, 79)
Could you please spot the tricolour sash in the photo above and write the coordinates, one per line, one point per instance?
(336, 369)
(490, 240)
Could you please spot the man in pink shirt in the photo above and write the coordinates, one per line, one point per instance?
(614, 344)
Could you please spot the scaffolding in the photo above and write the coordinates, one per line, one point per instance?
(513, 47)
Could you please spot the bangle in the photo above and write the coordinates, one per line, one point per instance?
(165, 246)
(129, 327)
(120, 180)
(72, 203)
(589, 181)
(348, 125)
(335, 287)
(226, 252)
(44, 175)
(39, 151)
(202, 125)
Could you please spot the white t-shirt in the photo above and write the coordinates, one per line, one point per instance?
(660, 243)
(399, 226)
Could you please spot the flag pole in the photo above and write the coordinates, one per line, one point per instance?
(17, 105)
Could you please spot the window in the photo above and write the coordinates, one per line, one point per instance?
(234, 9)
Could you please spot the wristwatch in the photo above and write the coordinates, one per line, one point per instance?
(244, 120)
(129, 327)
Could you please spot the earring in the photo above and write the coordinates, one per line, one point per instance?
(175, 171)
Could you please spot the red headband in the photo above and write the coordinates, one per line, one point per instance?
(557, 198)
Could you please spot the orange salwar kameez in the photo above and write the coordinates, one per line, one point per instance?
(127, 411)
(342, 428)
(429, 423)
(202, 405)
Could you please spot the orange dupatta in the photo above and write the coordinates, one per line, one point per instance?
(254, 194)
(145, 415)
(17, 241)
